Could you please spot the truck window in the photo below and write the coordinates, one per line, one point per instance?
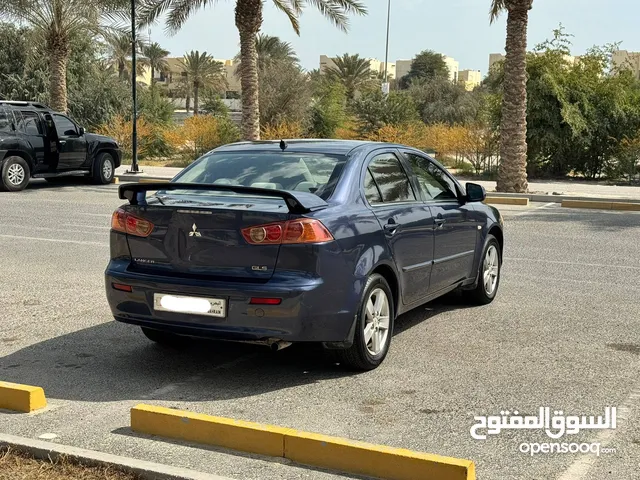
(30, 123)
(64, 126)
(5, 121)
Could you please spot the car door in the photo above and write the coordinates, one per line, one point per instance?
(30, 126)
(406, 221)
(72, 147)
(456, 228)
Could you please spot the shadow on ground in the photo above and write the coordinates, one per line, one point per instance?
(113, 362)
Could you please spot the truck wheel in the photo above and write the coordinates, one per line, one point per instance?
(104, 169)
(14, 175)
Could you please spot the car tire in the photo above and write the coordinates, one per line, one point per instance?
(104, 169)
(166, 339)
(365, 354)
(14, 174)
(489, 270)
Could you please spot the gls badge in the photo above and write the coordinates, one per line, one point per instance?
(194, 231)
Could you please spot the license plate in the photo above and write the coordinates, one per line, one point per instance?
(212, 307)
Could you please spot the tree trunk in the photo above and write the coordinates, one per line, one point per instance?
(59, 51)
(512, 174)
(121, 73)
(248, 22)
(195, 98)
(188, 102)
(153, 74)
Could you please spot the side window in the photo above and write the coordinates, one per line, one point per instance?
(371, 191)
(5, 121)
(391, 179)
(30, 123)
(64, 126)
(434, 182)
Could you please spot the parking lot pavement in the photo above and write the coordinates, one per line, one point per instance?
(564, 332)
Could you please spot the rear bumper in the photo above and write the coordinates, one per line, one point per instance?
(311, 310)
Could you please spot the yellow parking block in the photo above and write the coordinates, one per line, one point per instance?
(305, 448)
(507, 200)
(21, 398)
(586, 204)
(151, 180)
(628, 206)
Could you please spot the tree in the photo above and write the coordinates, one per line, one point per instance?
(328, 110)
(119, 47)
(285, 94)
(375, 110)
(54, 24)
(248, 19)
(352, 71)
(203, 72)
(155, 59)
(512, 174)
(269, 50)
(427, 65)
(440, 101)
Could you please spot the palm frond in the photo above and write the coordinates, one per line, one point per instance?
(497, 7)
(292, 9)
(181, 10)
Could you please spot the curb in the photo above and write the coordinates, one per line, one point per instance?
(312, 449)
(140, 178)
(544, 198)
(145, 470)
(21, 398)
(602, 205)
(507, 200)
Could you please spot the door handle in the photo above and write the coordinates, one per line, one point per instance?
(390, 228)
(62, 142)
(439, 223)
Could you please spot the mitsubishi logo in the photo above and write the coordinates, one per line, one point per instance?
(194, 231)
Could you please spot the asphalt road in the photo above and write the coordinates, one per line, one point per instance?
(564, 332)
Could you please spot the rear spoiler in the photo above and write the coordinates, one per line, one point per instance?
(297, 202)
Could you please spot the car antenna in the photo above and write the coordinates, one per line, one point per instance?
(283, 145)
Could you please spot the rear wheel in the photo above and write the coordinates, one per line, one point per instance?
(14, 175)
(166, 339)
(374, 327)
(488, 273)
(104, 169)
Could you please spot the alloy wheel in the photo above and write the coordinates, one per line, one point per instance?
(376, 325)
(490, 270)
(15, 174)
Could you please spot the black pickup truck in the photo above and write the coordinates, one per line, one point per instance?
(36, 142)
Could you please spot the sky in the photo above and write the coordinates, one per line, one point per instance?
(456, 28)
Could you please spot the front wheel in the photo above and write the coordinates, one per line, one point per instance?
(104, 169)
(374, 327)
(14, 174)
(488, 273)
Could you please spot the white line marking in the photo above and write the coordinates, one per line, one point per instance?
(579, 469)
(108, 215)
(84, 226)
(196, 378)
(60, 240)
(50, 229)
(534, 210)
(557, 262)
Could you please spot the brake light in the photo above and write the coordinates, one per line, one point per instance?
(303, 230)
(124, 222)
(265, 301)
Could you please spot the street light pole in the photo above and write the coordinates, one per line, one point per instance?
(386, 54)
(134, 133)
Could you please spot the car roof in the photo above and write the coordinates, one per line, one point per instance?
(335, 146)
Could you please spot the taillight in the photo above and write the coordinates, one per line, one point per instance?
(124, 222)
(303, 230)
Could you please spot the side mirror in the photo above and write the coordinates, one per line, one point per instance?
(81, 131)
(475, 192)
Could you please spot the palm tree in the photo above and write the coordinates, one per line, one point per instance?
(512, 174)
(270, 50)
(55, 23)
(352, 71)
(203, 72)
(248, 19)
(119, 47)
(155, 58)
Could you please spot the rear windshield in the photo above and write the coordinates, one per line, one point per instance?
(305, 172)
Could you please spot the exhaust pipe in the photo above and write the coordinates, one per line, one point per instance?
(279, 345)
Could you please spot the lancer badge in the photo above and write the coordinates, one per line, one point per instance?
(194, 231)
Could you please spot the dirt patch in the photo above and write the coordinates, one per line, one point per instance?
(17, 465)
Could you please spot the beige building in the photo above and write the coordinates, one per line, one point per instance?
(470, 79)
(499, 57)
(171, 78)
(625, 60)
(376, 66)
(403, 67)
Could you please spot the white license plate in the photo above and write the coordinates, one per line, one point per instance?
(212, 307)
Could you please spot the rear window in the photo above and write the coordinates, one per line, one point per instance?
(304, 172)
(5, 121)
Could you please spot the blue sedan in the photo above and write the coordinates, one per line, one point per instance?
(299, 241)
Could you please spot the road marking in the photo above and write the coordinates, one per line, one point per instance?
(579, 469)
(84, 226)
(196, 378)
(59, 240)
(533, 210)
(108, 215)
(50, 229)
(558, 262)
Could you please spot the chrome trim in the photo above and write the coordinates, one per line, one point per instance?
(453, 257)
(410, 268)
